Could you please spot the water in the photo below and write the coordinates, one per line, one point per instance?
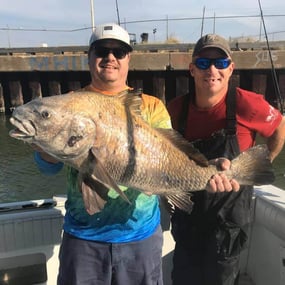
(20, 179)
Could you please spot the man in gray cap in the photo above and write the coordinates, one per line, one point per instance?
(122, 243)
(220, 121)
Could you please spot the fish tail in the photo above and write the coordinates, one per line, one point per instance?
(253, 167)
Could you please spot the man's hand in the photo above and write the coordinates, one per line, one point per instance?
(219, 182)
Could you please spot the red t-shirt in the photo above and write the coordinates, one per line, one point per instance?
(253, 113)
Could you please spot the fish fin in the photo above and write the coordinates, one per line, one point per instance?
(178, 140)
(100, 174)
(94, 193)
(253, 167)
(92, 201)
(181, 201)
(132, 99)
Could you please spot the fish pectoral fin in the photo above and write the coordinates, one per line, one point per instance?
(98, 172)
(92, 200)
(181, 201)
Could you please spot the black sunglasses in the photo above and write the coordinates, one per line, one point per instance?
(219, 63)
(119, 53)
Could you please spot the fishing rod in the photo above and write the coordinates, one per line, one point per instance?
(273, 71)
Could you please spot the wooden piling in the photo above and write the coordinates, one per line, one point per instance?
(282, 87)
(54, 88)
(2, 102)
(16, 95)
(182, 85)
(137, 84)
(73, 85)
(159, 88)
(259, 83)
(36, 89)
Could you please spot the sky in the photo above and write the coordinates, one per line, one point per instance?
(35, 23)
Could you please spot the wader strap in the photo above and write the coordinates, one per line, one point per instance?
(230, 111)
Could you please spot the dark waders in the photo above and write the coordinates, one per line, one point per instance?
(210, 239)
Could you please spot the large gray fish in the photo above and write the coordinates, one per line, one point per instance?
(108, 142)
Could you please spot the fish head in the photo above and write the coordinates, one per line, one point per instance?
(52, 124)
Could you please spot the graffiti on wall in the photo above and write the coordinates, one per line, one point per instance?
(263, 56)
(59, 63)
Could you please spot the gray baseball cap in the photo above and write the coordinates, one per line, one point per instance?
(110, 32)
(212, 41)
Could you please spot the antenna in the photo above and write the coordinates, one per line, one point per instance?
(92, 15)
(273, 71)
(214, 24)
(118, 15)
(202, 26)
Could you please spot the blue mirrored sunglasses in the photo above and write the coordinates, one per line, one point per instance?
(219, 63)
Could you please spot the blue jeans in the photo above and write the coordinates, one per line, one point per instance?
(85, 262)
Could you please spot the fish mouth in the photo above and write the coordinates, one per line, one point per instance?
(24, 130)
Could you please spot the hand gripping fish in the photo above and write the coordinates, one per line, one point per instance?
(108, 142)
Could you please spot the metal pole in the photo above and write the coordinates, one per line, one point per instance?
(92, 15)
(273, 71)
(214, 25)
(118, 15)
(260, 28)
(8, 34)
(166, 27)
(202, 26)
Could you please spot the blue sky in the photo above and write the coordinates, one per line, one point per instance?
(33, 23)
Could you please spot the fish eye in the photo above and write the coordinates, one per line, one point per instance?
(45, 114)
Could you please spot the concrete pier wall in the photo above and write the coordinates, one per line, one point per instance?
(26, 74)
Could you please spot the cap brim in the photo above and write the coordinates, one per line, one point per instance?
(228, 53)
(99, 41)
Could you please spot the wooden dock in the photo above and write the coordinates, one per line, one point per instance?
(26, 73)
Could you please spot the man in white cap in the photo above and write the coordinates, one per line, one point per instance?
(121, 244)
(219, 121)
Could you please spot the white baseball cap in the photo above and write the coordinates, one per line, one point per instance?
(112, 32)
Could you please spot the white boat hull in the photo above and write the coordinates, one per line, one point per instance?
(30, 236)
